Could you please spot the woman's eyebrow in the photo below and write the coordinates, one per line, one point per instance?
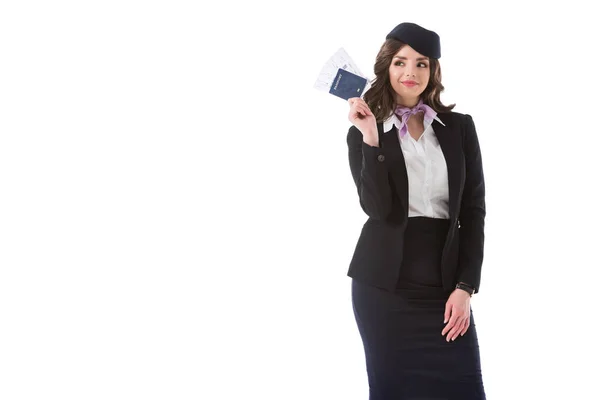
(418, 59)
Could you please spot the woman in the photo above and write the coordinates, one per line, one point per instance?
(417, 167)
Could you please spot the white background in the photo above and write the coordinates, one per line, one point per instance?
(177, 213)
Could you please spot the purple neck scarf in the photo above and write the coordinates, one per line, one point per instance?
(405, 112)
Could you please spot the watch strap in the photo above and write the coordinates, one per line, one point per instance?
(467, 288)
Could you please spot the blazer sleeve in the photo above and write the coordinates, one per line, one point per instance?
(370, 174)
(472, 210)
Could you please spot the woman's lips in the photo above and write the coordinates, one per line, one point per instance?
(409, 83)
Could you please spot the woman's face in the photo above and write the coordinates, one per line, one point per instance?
(409, 75)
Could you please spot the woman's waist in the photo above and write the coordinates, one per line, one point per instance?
(428, 224)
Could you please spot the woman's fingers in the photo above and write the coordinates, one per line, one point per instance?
(367, 110)
(447, 311)
(458, 322)
(363, 110)
(457, 329)
(451, 323)
(360, 105)
(458, 314)
(360, 112)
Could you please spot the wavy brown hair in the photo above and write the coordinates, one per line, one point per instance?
(381, 96)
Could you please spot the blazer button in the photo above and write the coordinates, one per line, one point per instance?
(381, 157)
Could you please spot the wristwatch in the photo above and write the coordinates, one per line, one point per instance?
(467, 288)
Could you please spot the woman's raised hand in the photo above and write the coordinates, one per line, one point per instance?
(361, 116)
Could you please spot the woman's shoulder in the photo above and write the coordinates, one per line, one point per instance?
(453, 117)
(454, 114)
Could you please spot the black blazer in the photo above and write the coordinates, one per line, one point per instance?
(382, 182)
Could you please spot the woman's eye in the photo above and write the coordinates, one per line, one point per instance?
(423, 65)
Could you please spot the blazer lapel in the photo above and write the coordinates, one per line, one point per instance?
(390, 142)
(450, 139)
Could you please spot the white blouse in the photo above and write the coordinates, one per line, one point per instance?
(427, 171)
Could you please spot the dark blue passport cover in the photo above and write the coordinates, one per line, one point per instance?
(347, 85)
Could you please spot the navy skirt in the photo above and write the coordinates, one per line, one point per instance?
(407, 358)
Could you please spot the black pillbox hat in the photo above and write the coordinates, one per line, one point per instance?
(422, 40)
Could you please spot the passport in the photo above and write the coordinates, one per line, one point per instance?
(341, 77)
(347, 85)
